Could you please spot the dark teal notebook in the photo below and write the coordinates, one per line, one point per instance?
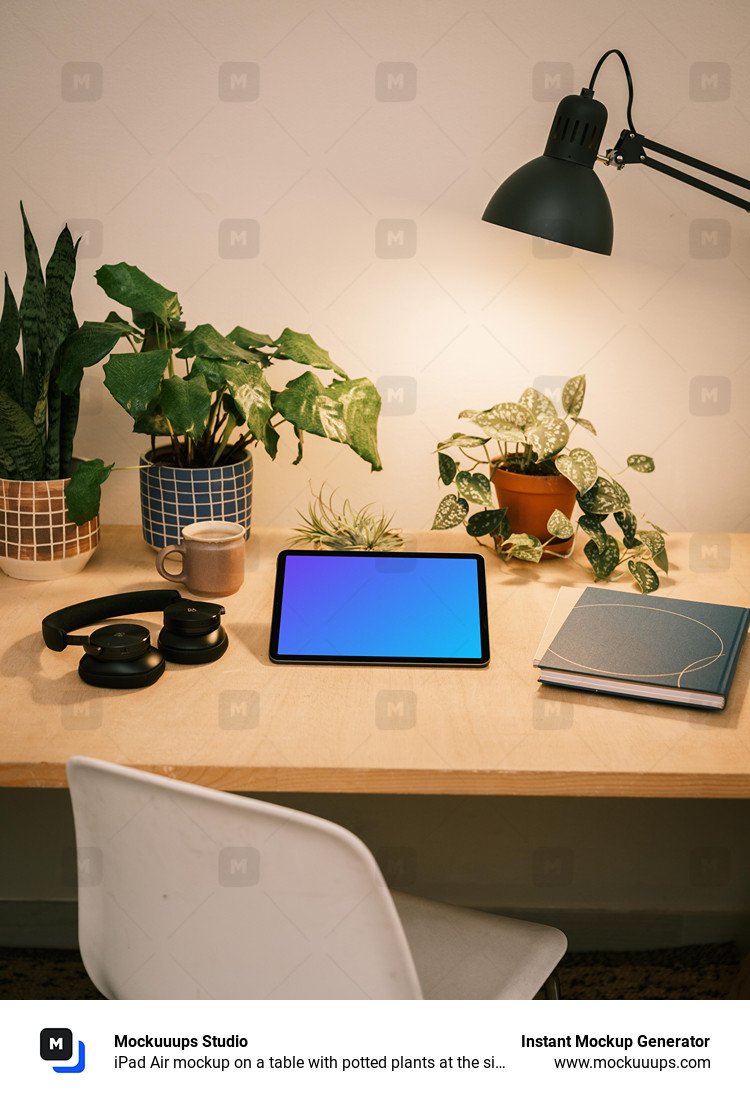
(649, 647)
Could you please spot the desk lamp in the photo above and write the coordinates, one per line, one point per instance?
(557, 196)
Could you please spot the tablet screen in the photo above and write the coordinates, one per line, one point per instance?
(380, 608)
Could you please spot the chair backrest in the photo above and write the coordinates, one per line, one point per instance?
(186, 892)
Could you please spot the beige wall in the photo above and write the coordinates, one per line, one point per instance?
(156, 129)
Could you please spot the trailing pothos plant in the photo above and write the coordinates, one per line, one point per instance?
(531, 437)
(206, 395)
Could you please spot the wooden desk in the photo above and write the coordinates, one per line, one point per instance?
(245, 724)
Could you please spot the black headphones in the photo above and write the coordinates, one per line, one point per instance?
(120, 655)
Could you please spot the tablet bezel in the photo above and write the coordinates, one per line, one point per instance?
(412, 662)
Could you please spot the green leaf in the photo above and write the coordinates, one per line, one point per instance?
(60, 316)
(604, 498)
(622, 491)
(32, 312)
(133, 378)
(573, 394)
(247, 386)
(458, 439)
(452, 510)
(523, 547)
(20, 440)
(644, 575)
(585, 424)
(447, 468)
(538, 406)
(345, 411)
(301, 348)
(560, 526)
(250, 340)
(11, 373)
(548, 437)
(654, 540)
(593, 528)
(474, 487)
(83, 494)
(130, 287)
(87, 346)
(603, 562)
(152, 421)
(186, 403)
(206, 342)
(642, 463)
(504, 421)
(60, 322)
(580, 467)
(628, 523)
(492, 521)
(661, 560)
(270, 440)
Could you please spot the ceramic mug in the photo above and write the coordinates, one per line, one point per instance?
(213, 557)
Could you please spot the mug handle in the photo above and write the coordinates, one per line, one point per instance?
(161, 568)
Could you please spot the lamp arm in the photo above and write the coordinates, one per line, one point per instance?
(631, 148)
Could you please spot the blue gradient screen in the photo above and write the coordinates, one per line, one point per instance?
(369, 606)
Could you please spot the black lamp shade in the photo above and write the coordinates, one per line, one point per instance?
(558, 196)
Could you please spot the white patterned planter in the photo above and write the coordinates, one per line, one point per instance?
(38, 540)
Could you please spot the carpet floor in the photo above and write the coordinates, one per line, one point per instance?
(700, 972)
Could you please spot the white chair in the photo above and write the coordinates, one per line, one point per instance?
(186, 892)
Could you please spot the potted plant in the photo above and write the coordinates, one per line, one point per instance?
(330, 527)
(532, 461)
(49, 501)
(207, 397)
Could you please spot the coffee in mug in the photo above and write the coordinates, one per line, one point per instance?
(213, 557)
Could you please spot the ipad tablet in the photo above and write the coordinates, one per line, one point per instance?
(378, 608)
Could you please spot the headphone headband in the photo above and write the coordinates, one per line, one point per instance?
(56, 627)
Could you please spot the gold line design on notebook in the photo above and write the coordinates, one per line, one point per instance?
(695, 666)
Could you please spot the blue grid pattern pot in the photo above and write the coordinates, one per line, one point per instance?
(171, 498)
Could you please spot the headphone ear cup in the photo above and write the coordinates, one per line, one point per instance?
(137, 672)
(185, 649)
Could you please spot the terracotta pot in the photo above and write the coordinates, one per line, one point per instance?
(531, 500)
(172, 497)
(38, 540)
